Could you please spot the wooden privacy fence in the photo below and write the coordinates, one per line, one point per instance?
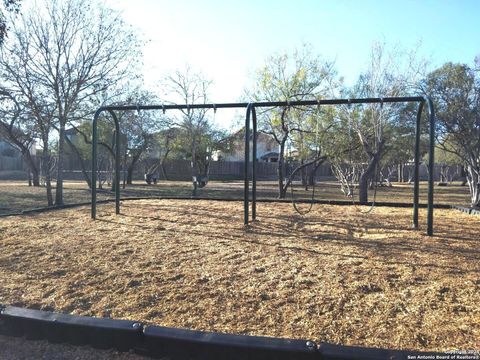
(229, 170)
(11, 163)
(11, 168)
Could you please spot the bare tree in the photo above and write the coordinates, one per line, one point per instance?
(166, 141)
(18, 131)
(36, 108)
(11, 6)
(389, 74)
(191, 88)
(301, 76)
(66, 52)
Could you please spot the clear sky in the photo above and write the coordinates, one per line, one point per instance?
(228, 40)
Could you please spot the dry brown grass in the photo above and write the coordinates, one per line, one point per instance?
(335, 275)
(16, 196)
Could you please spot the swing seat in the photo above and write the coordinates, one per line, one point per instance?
(200, 181)
(149, 178)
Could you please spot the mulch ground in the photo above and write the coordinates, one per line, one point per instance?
(335, 275)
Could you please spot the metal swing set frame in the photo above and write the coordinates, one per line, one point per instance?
(251, 118)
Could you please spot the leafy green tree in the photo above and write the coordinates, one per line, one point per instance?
(455, 89)
(389, 74)
(140, 129)
(400, 148)
(81, 145)
(448, 162)
(284, 77)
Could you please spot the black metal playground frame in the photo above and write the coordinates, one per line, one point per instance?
(251, 117)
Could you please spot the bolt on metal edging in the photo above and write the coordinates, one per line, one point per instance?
(138, 325)
(311, 345)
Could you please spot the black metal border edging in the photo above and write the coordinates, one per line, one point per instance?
(251, 114)
(77, 330)
(158, 341)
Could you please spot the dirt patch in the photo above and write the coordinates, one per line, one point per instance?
(335, 275)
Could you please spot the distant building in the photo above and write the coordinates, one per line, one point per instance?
(8, 150)
(72, 134)
(11, 158)
(271, 156)
(267, 148)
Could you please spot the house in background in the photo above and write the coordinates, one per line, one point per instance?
(267, 148)
(72, 135)
(271, 156)
(7, 150)
(11, 159)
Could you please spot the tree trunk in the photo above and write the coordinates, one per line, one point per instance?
(61, 154)
(32, 167)
(363, 188)
(131, 168)
(35, 177)
(86, 175)
(124, 166)
(129, 175)
(443, 176)
(46, 173)
(112, 163)
(311, 176)
(193, 166)
(314, 163)
(282, 191)
(463, 175)
(48, 185)
(164, 171)
(303, 174)
(100, 182)
(162, 164)
(473, 180)
(409, 174)
(365, 178)
(113, 180)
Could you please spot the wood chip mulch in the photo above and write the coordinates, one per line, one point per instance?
(335, 275)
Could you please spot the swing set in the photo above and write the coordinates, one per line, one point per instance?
(250, 196)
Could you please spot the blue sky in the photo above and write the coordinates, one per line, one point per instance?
(228, 40)
(235, 37)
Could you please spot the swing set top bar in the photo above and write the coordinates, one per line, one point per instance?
(264, 104)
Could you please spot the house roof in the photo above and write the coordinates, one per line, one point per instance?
(269, 155)
(71, 131)
(261, 136)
